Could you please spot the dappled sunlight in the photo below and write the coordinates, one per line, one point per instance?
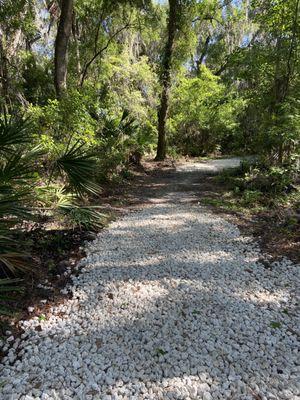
(156, 222)
(131, 133)
(171, 302)
(140, 327)
(262, 297)
(212, 166)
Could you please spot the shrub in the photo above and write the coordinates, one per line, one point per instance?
(202, 113)
(251, 196)
(25, 191)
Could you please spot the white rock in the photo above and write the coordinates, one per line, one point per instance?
(163, 308)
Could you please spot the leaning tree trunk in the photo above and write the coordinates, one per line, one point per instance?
(61, 46)
(166, 82)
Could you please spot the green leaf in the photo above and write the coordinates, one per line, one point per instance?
(161, 352)
(14, 132)
(275, 325)
(79, 166)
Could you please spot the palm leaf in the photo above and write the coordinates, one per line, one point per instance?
(14, 131)
(10, 259)
(83, 217)
(8, 286)
(79, 167)
(53, 196)
(12, 206)
(18, 168)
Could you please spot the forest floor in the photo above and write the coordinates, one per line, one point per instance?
(172, 301)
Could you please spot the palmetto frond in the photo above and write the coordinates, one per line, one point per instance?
(83, 217)
(18, 168)
(79, 167)
(54, 196)
(12, 206)
(10, 259)
(7, 288)
(120, 126)
(14, 131)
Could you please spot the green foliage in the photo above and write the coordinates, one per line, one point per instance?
(260, 177)
(59, 120)
(202, 112)
(13, 132)
(268, 70)
(8, 289)
(279, 134)
(119, 139)
(53, 196)
(251, 197)
(161, 352)
(83, 217)
(255, 185)
(25, 191)
(275, 325)
(16, 180)
(12, 261)
(238, 89)
(79, 167)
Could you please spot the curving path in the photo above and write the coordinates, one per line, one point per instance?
(172, 303)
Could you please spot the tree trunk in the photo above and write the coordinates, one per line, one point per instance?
(203, 54)
(61, 46)
(4, 77)
(75, 38)
(166, 82)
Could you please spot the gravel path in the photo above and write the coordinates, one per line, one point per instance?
(211, 165)
(172, 303)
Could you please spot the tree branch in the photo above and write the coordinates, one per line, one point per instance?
(99, 52)
(237, 50)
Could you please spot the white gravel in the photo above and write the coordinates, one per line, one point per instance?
(211, 165)
(172, 303)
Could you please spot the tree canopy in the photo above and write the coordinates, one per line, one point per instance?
(165, 64)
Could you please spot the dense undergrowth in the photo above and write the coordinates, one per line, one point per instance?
(255, 189)
(54, 185)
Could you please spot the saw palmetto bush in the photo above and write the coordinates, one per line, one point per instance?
(28, 189)
(119, 141)
(17, 179)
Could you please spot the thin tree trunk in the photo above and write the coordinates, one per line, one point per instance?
(203, 54)
(282, 80)
(293, 46)
(166, 82)
(4, 76)
(61, 46)
(77, 52)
